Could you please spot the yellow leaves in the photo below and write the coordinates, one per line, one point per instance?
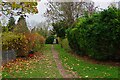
(24, 36)
(26, 41)
(26, 73)
(49, 66)
(71, 68)
(86, 76)
(24, 48)
(27, 64)
(17, 71)
(46, 59)
(13, 5)
(27, 68)
(111, 67)
(10, 68)
(83, 68)
(45, 72)
(17, 48)
(5, 75)
(2, 67)
(35, 10)
(95, 68)
(21, 66)
(0, 75)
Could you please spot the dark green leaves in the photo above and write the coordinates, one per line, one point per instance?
(97, 35)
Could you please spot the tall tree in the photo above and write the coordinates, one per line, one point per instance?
(58, 29)
(10, 9)
(11, 24)
(21, 26)
(43, 29)
(68, 11)
(21, 8)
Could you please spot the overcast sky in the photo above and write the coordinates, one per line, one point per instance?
(42, 7)
(32, 20)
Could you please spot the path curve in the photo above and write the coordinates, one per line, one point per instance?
(59, 65)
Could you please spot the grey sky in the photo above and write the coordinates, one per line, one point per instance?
(34, 19)
(39, 17)
(42, 7)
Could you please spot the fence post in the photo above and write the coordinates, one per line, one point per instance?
(7, 57)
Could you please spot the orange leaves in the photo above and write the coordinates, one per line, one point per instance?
(36, 10)
(22, 43)
(20, 65)
(33, 38)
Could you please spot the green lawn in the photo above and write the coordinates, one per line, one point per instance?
(86, 69)
(44, 68)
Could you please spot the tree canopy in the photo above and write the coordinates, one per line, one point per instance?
(21, 8)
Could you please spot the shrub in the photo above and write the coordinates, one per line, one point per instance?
(49, 40)
(58, 29)
(22, 43)
(14, 41)
(65, 44)
(97, 36)
(35, 41)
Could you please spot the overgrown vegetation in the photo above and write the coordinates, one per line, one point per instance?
(65, 44)
(22, 44)
(59, 29)
(97, 36)
(19, 38)
(14, 41)
(76, 25)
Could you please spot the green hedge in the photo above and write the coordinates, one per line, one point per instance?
(97, 36)
(49, 40)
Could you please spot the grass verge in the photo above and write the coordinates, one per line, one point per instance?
(33, 68)
(84, 68)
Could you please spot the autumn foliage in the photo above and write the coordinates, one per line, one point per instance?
(35, 40)
(22, 43)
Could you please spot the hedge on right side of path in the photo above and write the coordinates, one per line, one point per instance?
(97, 36)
